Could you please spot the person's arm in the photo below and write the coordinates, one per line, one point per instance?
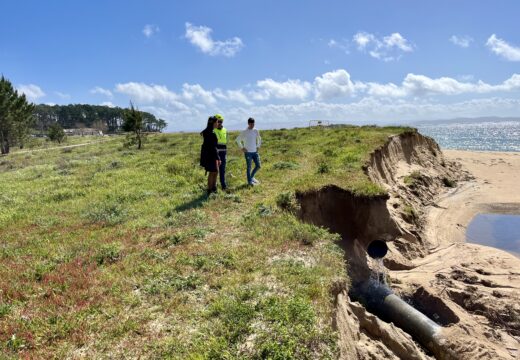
(240, 141)
(258, 139)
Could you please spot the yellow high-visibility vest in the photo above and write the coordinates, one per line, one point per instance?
(221, 136)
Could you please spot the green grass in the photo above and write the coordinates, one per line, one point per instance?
(108, 251)
(413, 179)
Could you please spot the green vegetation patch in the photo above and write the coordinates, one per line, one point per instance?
(110, 251)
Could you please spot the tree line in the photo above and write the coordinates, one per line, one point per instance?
(19, 118)
(104, 118)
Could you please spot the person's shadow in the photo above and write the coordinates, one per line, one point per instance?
(193, 204)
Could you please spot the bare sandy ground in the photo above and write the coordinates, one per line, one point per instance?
(480, 284)
(496, 189)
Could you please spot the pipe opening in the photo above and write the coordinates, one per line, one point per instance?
(377, 249)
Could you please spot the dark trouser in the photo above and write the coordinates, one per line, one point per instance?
(252, 157)
(222, 169)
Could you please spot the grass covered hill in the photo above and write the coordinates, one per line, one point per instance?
(106, 251)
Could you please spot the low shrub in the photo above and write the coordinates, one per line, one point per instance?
(287, 201)
(110, 213)
(108, 253)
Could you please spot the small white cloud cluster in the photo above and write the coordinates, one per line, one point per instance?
(31, 91)
(200, 37)
(99, 90)
(503, 49)
(149, 30)
(463, 41)
(388, 48)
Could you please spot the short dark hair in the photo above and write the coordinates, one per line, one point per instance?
(250, 120)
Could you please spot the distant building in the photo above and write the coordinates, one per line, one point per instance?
(83, 132)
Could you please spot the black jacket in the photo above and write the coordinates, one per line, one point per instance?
(208, 150)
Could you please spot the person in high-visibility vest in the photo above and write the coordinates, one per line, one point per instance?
(221, 133)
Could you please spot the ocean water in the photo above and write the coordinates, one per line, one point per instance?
(496, 230)
(479, 136)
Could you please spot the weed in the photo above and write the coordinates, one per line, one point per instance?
(323, 167)
(5, 309)
(172, 239)
(413, 179)
(264, 210)
(168, 282)
(409, 213)
(309, 234)
(110, 213)
(16, 343)
(287, 201)
(108, 253)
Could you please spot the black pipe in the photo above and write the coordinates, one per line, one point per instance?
(379, 299)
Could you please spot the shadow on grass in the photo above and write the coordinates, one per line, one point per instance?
(193, 204)
(242, 187)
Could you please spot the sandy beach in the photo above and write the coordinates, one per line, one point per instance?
(480, 284)
(495, 189)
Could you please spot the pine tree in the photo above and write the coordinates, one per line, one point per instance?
(16, 116)
(56, 133)
(133, 122)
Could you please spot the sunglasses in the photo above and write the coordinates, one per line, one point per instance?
(220, 121)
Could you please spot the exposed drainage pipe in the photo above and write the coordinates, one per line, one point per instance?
(379, 299)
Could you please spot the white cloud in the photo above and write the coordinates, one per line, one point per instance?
(333, 84)
(31, 91)
(233, 96)
(503, 49)
(421, 85)
(107, 103)
(372, 110)
(362, 39)
(388, 48)
(385, 90)
(149, 30)
(332, 95)
(288, 90)
(197, 92)
(398, 41)
(150, 94)
(463, 41)
(200, 36)
(101, 91)
(62, 95)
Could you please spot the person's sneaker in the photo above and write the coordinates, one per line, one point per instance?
(256, 182)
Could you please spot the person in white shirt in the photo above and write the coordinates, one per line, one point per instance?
(249, 141)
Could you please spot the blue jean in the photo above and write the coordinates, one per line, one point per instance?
(222, 169)
(252, 156)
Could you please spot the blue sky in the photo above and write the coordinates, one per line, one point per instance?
(282, 62)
